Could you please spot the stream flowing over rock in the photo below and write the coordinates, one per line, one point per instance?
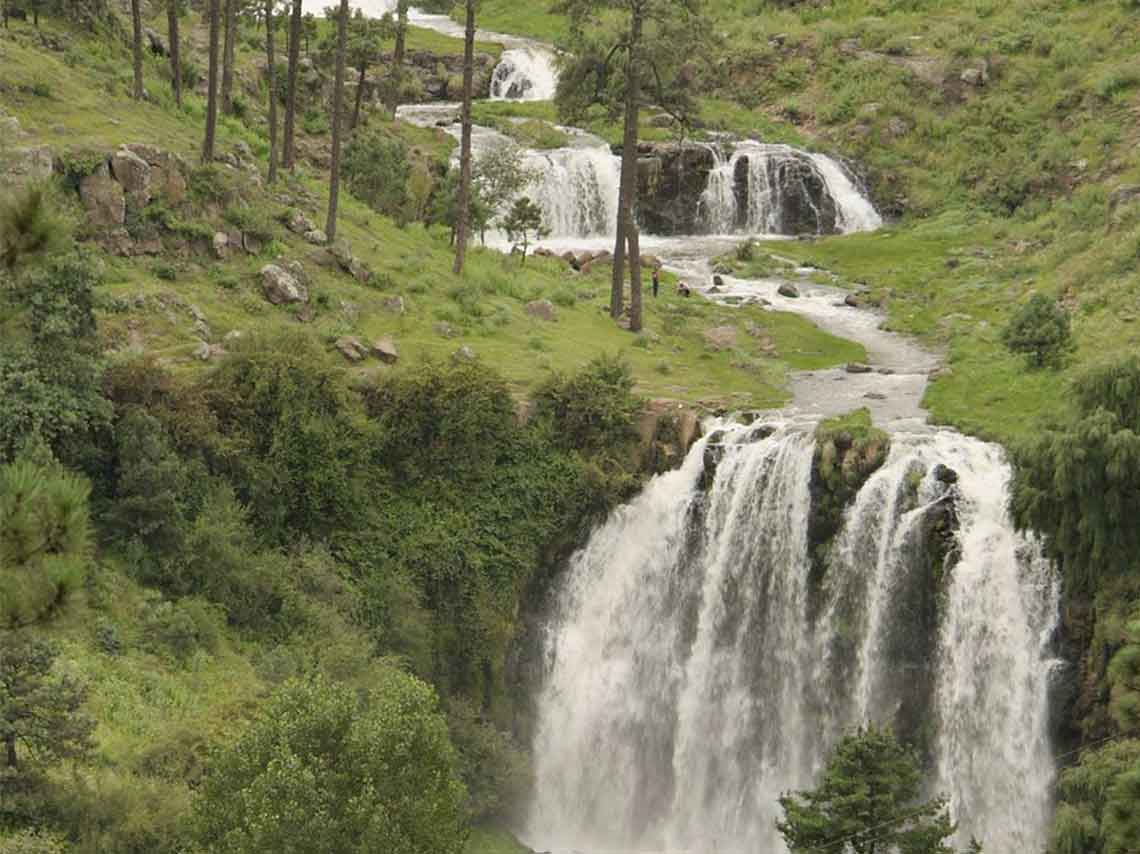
(700, 663)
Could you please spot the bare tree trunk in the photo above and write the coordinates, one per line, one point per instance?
(398, 54)
(175, 54)
(13, 761)
(338, 108)
(212, 83)
(290, 154)
(628, 162)
(634, 236)
(359, 98)
(463, 216)
(137, 49)
(271, 65)
(228, 58)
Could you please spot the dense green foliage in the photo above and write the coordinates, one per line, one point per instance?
(324, 770)
(868, 800)
(1097, 813)
(1040, 330)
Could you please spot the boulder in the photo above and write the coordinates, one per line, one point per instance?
(251, 244)
(463, 354)
(351, 348)
(167, 171)
(133, 173)
(542, 309)
(858, 368)
(945, 475)
(976, 77)
(316, 237)
(221, 245)
(394, 304)
(788, 290)
(721, 337)
(444, 330)
(897, 127)
(103, 198)
(385, 350)
(298, 223)
(718, 280)
(282, 285)
(157, 43)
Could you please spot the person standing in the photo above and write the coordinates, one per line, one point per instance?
(656, 281)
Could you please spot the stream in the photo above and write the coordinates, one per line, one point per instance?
(695, 665)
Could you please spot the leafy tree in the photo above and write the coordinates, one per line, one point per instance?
(376, 170)
(1040, 329)
(651, 35)
(867, 801)
(322, 770)
(337, 118)
(365, 49)
(522, 223)
(1097, 811)
(44, 539)
(501, 174)
(592, 410)
(463, 213)
(41, 717)
(492, 767)
(1075, 481)
(445, 206)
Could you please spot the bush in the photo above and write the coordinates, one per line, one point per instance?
(592, 410)
(491, 765)
(182, 628)
(32, 842)
(1040, 330)
(376, 171)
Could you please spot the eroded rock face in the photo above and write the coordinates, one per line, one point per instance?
(133, 173)
(282, 286)
(671, 180)
(103, 198)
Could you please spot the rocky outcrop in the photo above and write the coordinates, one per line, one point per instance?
(671, 179)
(284, 284)
(103, 198)
(667, 429)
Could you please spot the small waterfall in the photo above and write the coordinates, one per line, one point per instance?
(718, 201)
(577, 189)
(524, 74)
(698, 668)
(856, 213)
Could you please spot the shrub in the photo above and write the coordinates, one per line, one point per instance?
(32, 842)
(494, 769)
(593, 409)
(1040, 330)
(180, 629)
(376, 171)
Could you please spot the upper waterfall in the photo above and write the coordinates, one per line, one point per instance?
(697, 669)
(524, 74)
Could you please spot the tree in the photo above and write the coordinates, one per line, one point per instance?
(867, 802)
(289, 146)
(654, 36)
(231, 10)
(137, 49)
(376, 169)
(501, 174)
(29, 229)
(1040, 329)
(322, 770)
(309, 29)
(365, 49)
(212, 84)
(463, 214)
(337, 118)
(271, 69)
(1097, 810)
(523, 222)
(175, 49)
(41, 717)
(445, 206)
(397, 69)
(1074, 481)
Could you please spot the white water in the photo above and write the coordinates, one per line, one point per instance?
(577, 189)
(691, 683)
(524, 74)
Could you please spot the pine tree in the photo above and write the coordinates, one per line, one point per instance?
(271, 70)
(463, 224)
(289, 154)
(365, 49)
(228, 57)
(175, 49)
(337, 113)
(212, 84)
(137, 49)
(397, 70)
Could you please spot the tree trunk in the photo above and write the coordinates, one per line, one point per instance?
(228, 58)
(634, 236)
(175, 58)
(13, 761)
(398, 55)
(271, 66)
(338, 108)
(291, 96)
(359, 97)
(464, 213)
(628, 191)
(212, 83)
(137, 48)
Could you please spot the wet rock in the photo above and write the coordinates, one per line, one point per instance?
(874, 395)
(542, 309)
(718, 280)
(858, 368)
(788, 290)
(282, 286)
(886, 372)
(853, 300)
(944, 474)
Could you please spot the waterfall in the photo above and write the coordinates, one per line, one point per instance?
(698, 667)
(524, 74)
(717, 208)
(577, 189)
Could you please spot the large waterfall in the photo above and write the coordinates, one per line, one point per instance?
(699, 664)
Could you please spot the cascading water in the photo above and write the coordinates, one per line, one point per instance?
(577, 189)
(699, 666)
(524, 74)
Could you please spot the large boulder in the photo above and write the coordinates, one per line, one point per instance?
(168, 172)
(542, 309)
(352, 348)
(133, 173)
(385, 350)
(282, 286)
(103, 198)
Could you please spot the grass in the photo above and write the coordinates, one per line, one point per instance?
(493, 840)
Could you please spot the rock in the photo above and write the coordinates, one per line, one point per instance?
(298, 223)
(542, 309)
(721, 337)
(351, 348)
(233, 336)
(886, 372)
(788, 290)
(157, 42)
(118, 242)
(10, 128)
(103, 198)
(897, 127)
(220, 245)
(944, 474)
(167, 171)
(242, 150)
(444, 330)
(853, 300)
(207, 352)
(394, 304)
(133, 173)
(874, 395)
(360, 271)
(569, 257)
(976, 77)
(316, 237)
(252, 245)
(282, 286)
(715, 289)
(385, 350)
(718, 280)
(858, 368)
(463, 354)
